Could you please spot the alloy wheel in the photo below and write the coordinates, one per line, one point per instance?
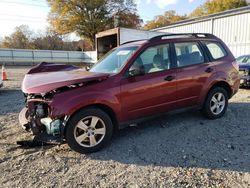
(90, 131)
(217, 103)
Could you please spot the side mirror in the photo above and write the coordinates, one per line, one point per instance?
(136, 71)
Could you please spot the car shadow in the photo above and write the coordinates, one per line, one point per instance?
(186, 140)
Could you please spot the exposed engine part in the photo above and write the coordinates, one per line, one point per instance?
(40, 112)
(30, 115)
(35, 116)
(52, 127)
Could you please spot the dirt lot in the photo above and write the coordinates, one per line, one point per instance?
(184, 150)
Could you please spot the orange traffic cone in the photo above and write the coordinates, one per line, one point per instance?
(4, 73)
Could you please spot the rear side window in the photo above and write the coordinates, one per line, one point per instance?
(216, 50)
(188, 53)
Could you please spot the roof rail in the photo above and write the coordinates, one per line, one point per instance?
(196, 35)
(133, 41)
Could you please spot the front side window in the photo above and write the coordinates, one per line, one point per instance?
(216, 50)
(154, 59)
(114, 60)
(188, 53)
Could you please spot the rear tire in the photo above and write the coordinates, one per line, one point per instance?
(216, 103)
(89, 130)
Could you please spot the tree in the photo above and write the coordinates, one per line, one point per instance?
(209, 7)
(23, 38)
(20, 38)
(88, 17)
(199, 11)
(169, 17)
(214, 6)
(127, 19)
(49, 41)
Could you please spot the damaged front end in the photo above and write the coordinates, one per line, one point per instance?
(40, 86)
(35, 116)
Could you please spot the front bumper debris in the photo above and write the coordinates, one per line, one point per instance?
(42, 139)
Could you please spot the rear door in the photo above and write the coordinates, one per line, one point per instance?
(193, 70)
(154, 92)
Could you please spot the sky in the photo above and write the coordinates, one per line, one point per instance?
(147, 9)
(34, 12)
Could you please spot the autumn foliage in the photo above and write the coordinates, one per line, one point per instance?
(209, 7)
(88, 17)
(168, 18)
(214, 6)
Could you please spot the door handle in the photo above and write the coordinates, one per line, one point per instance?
(169, 78)
(209, 69)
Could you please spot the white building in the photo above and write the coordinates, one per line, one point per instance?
(232, 26)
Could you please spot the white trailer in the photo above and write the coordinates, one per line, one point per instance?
(106, 40)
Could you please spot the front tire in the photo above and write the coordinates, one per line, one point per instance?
(89, 130)
(216, 103)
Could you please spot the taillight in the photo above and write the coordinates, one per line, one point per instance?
(235, 65)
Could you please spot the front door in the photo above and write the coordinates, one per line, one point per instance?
(155, 91)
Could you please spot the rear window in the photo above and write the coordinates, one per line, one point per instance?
(216, 50)
(188, 53)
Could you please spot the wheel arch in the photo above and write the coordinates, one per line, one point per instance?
(100, 106)
(223, 85)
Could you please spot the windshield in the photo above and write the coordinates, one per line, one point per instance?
(113, 61)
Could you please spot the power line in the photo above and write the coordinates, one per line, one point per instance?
(19, 3)
(15, 15)
(23, 20)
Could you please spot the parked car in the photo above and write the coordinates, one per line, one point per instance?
(133, 82)
(244, 66)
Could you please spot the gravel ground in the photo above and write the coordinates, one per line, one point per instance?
(184, 150)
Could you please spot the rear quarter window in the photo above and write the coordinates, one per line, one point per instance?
(188, 53)
(216, 50)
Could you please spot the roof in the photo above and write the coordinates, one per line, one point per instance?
(226, 13)
(170, 36)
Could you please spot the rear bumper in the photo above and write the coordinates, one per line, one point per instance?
(235, 85)
(245, 81)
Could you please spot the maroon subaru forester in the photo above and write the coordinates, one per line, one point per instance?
(138, 80)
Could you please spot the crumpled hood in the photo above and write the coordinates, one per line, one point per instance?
(48, 81)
